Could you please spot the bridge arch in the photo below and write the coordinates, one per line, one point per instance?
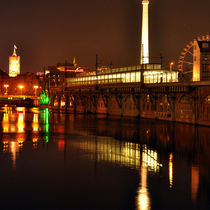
(206, 108)
(147, 106)
(185, 109)
(114, 106)
(101, 108)
(56, 101)
(63, 101)
(163, 106)
(129, 107)
(80, 104)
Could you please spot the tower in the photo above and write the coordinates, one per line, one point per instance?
(201, 59)
(74, 62)
(14, 64)
(145, 33)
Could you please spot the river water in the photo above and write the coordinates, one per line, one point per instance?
(52, 160)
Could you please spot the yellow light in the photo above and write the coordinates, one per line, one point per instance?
(6, 86)
(21, 88)
(35, 124)
(5, 124)
(63, 103)
(35, 140)
(170, 169)
(36, 87)
(20, 123)
(20, 109)
(143, 197)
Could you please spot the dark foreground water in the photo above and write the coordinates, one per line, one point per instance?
(63, 161)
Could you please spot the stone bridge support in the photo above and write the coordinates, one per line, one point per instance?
(180, 102)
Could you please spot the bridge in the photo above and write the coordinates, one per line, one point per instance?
(143, 91)
(18, 100)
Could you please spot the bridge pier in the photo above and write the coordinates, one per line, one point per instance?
(179, 102)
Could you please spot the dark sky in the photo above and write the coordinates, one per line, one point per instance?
(50, 31)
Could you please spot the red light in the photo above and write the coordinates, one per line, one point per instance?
(61, 144)
(80, 70)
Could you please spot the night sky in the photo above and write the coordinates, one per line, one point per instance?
(50, 31)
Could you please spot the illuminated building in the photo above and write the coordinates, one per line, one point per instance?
(145, 73)
(14, 64)
(201, 60)
(54, 76)
(145, 33)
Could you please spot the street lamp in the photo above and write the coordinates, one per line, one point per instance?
(21, 88)
(35, 88)
(6, 86)
(171, 68)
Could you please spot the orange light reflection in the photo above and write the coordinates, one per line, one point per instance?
(170, 170)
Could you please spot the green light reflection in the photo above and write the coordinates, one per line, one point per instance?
(45, 120)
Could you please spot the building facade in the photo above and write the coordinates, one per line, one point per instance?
(201, 60)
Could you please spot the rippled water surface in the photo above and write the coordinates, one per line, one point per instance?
(52, 160)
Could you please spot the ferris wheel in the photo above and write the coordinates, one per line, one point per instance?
(185, 61)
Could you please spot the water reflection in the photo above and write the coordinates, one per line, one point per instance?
(194, 182)
(13, 147)
(35, 124)
(122, 153)
(129, 154)
(21, 123)
(163, 156)
(35, 143)
(143, 198)
(170, 170)
(45, 120)
(5, 122)
(8, 120)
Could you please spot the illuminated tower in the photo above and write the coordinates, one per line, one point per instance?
(14, 64)
(145, 33)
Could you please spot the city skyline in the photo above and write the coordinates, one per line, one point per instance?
(46, 33)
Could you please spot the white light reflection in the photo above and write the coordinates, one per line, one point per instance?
(143, 199)
(149, 159)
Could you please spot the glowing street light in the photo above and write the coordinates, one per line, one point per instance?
(6, 86)
(35, 88)
(171, 69)
(171, 66)
(21, 88)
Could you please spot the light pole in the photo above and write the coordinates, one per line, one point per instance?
(35, 88)
(21, 88)
(6, 86)
(171, 69)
